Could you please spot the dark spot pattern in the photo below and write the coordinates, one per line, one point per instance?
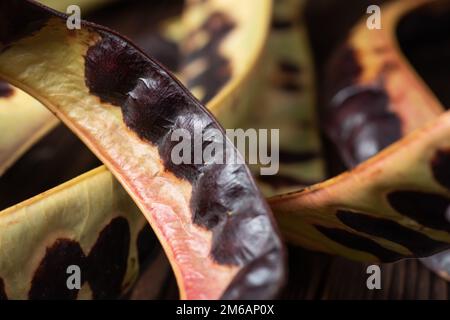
(291, 86)
(108, 260)
(49, 281)
(357, 242)
(225, 199)
(147, 246)
(289, 67)
(426, 209)
(5, 90)
(143, 21)
(3, 296)
(218, 70)
(287, 77)
(440, 166)
(418, 243)
(104, 268)
(282, 25)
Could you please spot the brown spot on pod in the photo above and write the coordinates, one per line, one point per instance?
(218, 70)
(440, 166)
(418, 243)
(104, 268)
(427, 209)
(279, 24)
(49, 280)
(288, 67)
(147, 246)
(286, 76)
(107, 261)
(357, 242)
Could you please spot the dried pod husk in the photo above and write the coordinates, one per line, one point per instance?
(390, 207)
(124, 106)
(378, 95)
(393, 205)
(24, 121)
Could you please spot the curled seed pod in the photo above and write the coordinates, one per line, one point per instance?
(125, 106)
(376, 94)
(372, 212)
(388, 208)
